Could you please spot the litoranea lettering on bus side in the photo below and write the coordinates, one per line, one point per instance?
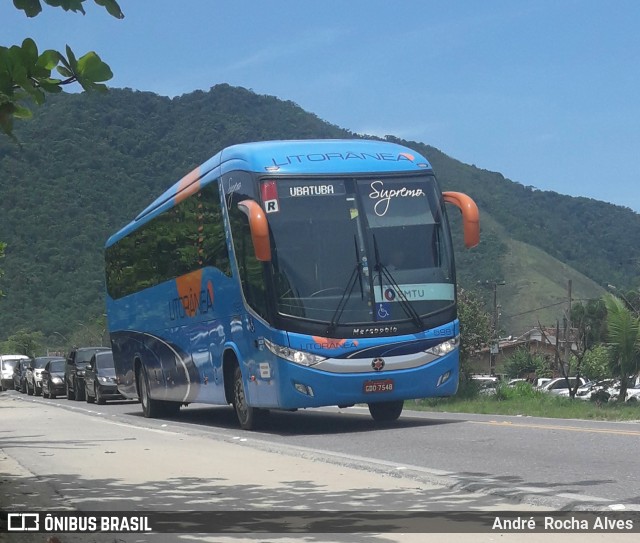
(193, 297)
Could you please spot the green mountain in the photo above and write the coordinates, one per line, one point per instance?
(87, 163)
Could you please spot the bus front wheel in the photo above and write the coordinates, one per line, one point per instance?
(246, 414)
(386, 411)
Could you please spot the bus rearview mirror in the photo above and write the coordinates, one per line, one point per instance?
(259, 228)
(470, 216)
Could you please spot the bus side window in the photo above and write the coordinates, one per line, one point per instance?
(182, 239)
(250, 269)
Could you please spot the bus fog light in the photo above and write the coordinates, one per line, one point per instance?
(443, 378)
(303, 389)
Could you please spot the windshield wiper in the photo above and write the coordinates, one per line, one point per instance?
(356, 275)
(406, 305)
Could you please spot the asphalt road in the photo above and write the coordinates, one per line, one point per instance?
(71, 455)
(561, 464)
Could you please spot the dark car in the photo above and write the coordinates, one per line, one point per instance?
(34, 373)
(20, 375)
(74, 370)
(53, 378)
(100, 379)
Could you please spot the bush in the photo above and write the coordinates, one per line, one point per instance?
(600, 396)
(520, 390)
(522, 363)
(468, 389)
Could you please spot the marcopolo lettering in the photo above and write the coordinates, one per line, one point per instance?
(375, 331)
(324, 157)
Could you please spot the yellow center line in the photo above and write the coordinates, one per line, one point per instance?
(506, 424)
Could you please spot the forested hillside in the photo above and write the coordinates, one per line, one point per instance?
(87, 164)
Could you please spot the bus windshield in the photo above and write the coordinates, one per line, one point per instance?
(359, 250)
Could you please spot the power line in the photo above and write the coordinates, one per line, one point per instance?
(543, 307)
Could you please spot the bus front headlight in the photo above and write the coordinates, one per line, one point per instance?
(293, 355)
(445, 347)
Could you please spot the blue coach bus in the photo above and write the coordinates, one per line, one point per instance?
(287, 275)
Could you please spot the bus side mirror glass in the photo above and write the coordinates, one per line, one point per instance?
(470, 216)
(259, 229)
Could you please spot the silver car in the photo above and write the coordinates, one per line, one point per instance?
(559, 384)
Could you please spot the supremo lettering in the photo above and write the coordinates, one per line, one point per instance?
(323, 157)
(384, 196)
(190, 305)
(312, 190)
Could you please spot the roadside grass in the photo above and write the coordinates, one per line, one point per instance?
(524, 400)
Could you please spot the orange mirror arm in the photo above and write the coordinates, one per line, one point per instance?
(470, 216)
(259, 229)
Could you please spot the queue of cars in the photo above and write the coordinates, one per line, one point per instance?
(87, 373)
(607, 390)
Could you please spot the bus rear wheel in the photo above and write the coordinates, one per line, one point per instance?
(386, 411)
(151, 408)
(247, 415)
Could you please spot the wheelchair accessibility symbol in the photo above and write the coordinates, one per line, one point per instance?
(383, 311)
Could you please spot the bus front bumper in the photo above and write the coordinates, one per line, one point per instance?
(302, 386)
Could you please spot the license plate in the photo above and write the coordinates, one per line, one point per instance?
(372, 387)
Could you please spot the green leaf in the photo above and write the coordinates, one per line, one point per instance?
(67, 5)
(6, 83)
(7, 108)
(71, 58)
(31, 8)
(49, 59)
(112, 8)
(91, 68)
(21, 112)
(29, 52)
(50, 85)
(65, 72)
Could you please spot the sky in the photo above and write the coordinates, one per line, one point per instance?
(545, 92)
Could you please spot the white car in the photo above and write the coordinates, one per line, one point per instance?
(559, 384)
(633, 394)
(486, 383)
(586, 391)
(7, 363)
(541, 381)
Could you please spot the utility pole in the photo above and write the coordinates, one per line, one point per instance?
(567, 334)
(494, 340)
